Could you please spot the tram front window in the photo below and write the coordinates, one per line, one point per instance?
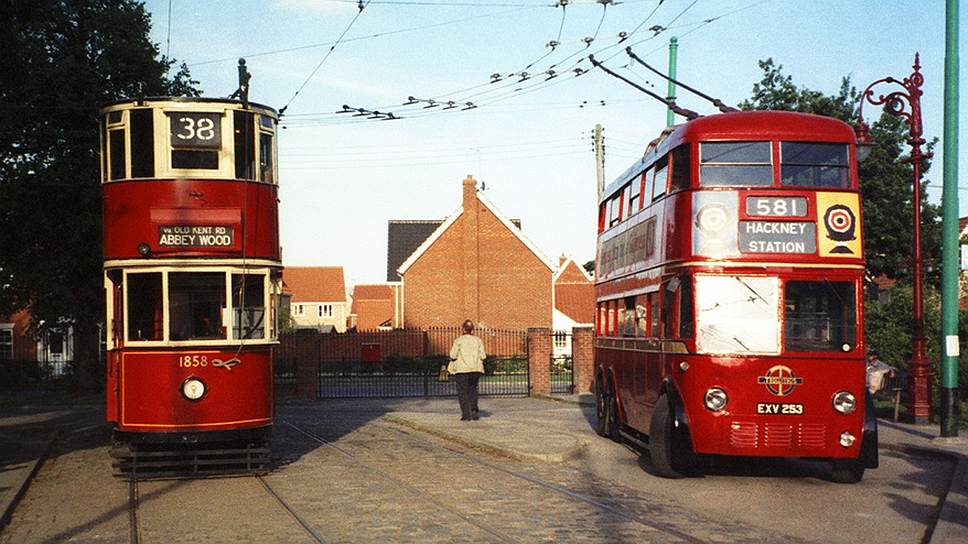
(248, 301)
(195, 306)
(819, 316)
(144, 306)
(737, 314)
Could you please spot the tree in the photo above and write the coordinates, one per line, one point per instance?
(885, 179)
(62, 60)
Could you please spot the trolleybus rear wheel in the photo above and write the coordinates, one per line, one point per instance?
(601, 408)
(661, 444)
(613, 423)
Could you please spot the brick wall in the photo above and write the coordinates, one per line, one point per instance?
(539, 360)
(477, 269)
(583, 358)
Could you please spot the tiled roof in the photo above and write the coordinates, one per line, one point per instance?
(576, 300)
(315, 283)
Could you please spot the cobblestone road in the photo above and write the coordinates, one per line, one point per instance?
(350, 475)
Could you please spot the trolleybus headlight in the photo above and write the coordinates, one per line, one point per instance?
(845, 403)
(847, 439)
(716, 399)
(193, 389)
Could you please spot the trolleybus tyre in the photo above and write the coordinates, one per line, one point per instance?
(847, 472)
(601, 408)
(613, 427)
(661, 442)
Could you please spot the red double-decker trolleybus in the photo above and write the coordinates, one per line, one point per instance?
(192, 273)
(729, 284)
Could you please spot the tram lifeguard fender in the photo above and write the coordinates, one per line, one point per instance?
(681, 439)
(868, 448)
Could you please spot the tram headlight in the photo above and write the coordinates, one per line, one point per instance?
(845, 403)
(193, 389)
(144, 249)
(716, 399)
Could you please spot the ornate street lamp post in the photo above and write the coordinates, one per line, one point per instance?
(906, 104)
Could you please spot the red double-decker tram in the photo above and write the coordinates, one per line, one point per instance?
(192, 273)
(729, 288)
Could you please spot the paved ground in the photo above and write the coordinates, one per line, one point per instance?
(530, 470)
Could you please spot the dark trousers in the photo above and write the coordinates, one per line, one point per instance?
(467, 393)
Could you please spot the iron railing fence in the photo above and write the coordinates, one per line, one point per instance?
(400, 363)
(562, 364)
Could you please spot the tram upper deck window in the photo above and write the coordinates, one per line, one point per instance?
(735, 164)
(266, 162)
(248, 301)
(195, 302)
(195, 140)
(141, 123)
(144, 308)
(814, 165)
(819, 316)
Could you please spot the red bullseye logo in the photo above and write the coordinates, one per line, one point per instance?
(840, 221)
(780, 380)
(841, 227)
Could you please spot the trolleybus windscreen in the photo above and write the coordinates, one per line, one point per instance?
(737, 314)
(819, 316)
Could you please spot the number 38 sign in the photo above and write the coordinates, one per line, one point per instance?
(194, 129)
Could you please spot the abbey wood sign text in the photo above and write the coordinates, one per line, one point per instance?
(777, 237)
(195, 236)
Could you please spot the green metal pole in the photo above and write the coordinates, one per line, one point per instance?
(950, 250)
(673, 48)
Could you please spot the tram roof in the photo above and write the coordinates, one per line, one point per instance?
(145, 100)
(743, 125)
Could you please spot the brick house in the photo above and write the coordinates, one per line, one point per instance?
(377, 306)
(574, 302)
(318, 297)
(477, 265)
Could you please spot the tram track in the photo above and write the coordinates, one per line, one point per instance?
(580, 497)
(669, 531)
(372, 469)
(289, 509)
(134, 535)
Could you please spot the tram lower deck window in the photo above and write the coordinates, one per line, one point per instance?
(248, 300)
(144, 307)
(195, 302)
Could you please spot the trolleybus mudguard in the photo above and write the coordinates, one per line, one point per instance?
(681, 437)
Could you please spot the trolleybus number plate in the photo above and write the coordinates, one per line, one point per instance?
(779, 408)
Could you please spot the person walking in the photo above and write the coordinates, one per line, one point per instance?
(467, 366)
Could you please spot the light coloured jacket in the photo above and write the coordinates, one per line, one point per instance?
(466, 355)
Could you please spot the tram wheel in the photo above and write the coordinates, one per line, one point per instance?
(661, 444)
(847, 472)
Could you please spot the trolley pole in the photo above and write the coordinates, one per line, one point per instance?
(673, 52)
(599, 160)
(906, 104)
(950, 405)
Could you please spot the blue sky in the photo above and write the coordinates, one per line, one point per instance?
(344, 177)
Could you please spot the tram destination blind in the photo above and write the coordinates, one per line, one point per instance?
(195, 236)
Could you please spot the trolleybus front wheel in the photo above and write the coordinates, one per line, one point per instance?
(847, 472)
(666, 460)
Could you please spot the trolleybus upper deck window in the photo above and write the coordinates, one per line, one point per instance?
(680, 168)
(735, 164)
(814, 165)
(819, 316)
(661, 177)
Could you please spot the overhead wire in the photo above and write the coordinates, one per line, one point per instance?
(362, 5)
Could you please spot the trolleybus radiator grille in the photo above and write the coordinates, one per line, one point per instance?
(743, 434)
